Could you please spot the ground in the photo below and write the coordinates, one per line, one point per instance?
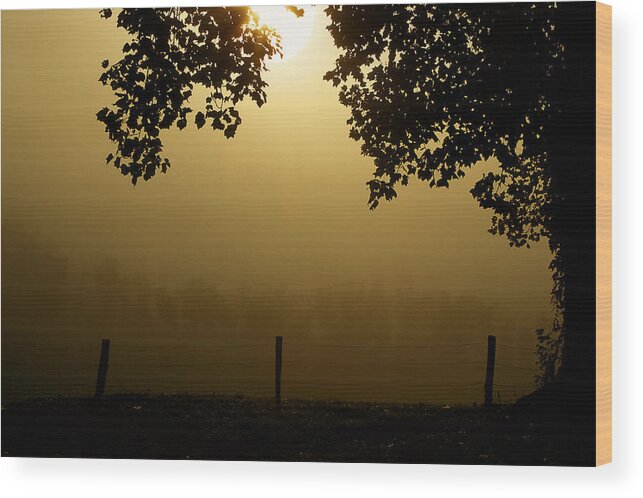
(213, 427)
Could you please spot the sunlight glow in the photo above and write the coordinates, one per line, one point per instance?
(295, 31)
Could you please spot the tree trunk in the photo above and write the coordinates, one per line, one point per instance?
(572, 156)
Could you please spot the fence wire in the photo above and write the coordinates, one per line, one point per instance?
(429, 372)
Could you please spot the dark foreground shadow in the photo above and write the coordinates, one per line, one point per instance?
(238, 428)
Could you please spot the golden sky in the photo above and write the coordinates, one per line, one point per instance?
(277, 215)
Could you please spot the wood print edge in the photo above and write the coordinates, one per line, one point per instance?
(603, 234)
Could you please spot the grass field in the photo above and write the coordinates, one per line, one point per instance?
(237, 428)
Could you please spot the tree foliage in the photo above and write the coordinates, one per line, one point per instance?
(548, 356)
(170, 52)
(434, 89)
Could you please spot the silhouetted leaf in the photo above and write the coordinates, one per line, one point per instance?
(199, 120)
(295, 10)
(230, 131)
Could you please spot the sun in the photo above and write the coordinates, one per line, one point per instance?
(295, 31)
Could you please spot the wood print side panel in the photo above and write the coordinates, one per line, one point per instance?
(603, 234)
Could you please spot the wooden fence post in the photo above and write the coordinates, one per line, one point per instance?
(278, 356)
(102, 368)
(491, 364)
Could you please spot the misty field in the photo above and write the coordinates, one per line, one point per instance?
(238, 428)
